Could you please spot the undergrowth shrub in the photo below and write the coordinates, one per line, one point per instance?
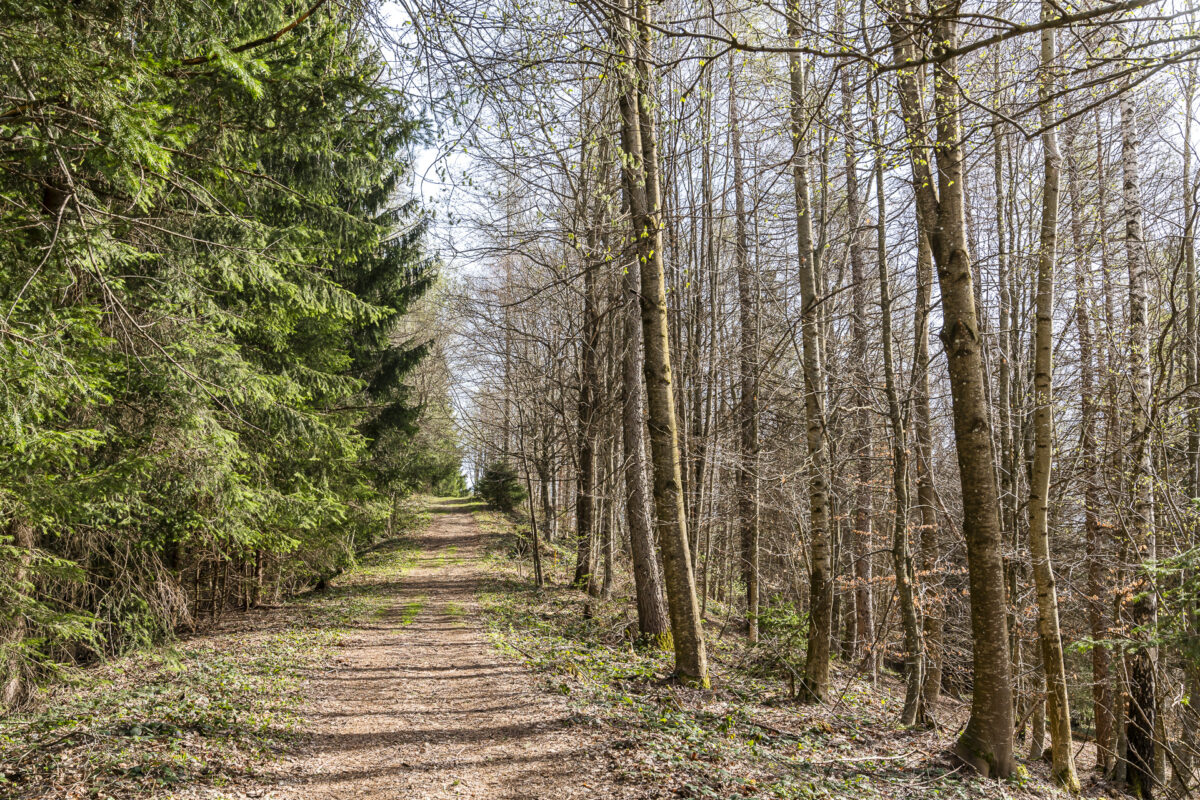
(500, 487)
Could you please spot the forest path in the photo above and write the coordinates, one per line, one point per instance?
(420, 705)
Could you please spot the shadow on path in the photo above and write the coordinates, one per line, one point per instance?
(423, 706)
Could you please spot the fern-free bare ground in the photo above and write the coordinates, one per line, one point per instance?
(418, 704)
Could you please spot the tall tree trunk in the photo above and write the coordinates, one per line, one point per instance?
(747, 474)
(1141, 533)
(585, 485)
(1058, 713)
(816, 663)
(695, 460)
(1115, 438)
(538, 579)
(1191, 713)
(934, 619)
(1089, 469)
(860, 381)
(901, 558)
(1009, 389)
(1008, 358)
(608, 519)
(652, 612)
(640, 169)
(986, 743)
(14, 677)
(545, 473)
(1037, 724)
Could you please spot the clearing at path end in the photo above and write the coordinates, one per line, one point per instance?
(420, 704)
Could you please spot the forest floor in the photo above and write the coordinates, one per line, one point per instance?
(436, 670)
(748, 737)
(422, 706)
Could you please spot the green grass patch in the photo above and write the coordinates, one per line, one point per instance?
(747, 738)
(410, 610)
(444, 558)
(201, 713)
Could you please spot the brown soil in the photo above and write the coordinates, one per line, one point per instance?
(426, 707)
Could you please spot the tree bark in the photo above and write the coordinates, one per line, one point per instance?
(1089, 470)
(1058, 713)
(986, 743)
(1141, 534)
(641, 175)
(860, 381)
(1191, 714)
(14, 677)
(1008, 456)
(538, 579)
(1114, 433)
(934, 619)
(815, 684)
(901, 558)
(652, 612)
(747, 471)
(585, 485)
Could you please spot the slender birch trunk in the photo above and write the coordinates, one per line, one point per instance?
(1058, 712)
(1089, 469)
(934, 618)
(901, 557)
(1139, 778)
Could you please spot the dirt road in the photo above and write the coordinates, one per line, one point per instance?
(421, 705)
